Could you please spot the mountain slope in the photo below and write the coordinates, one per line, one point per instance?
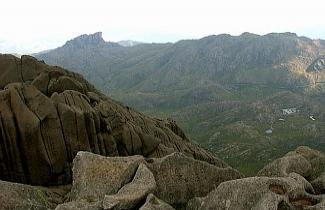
(154, 69)
(213, 85)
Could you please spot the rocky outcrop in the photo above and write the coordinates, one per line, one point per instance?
(48, 114)
(258, 193)
(87, 41)
(293, 182)
(317, 65)
(319, 184)
(304, 161)
(129, 196)
(171, 182)
(120, 183)
(100, 175)
(91, 39)
(22, 197)
(180, 178)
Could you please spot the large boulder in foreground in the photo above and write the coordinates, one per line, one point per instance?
(48, 114)
(304, 161)
(180, 178)
(95, 176)
(293, 182)
(132, 194)
(257, 193)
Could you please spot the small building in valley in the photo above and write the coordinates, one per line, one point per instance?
(289, 111)
(269, 131)
(312, 118)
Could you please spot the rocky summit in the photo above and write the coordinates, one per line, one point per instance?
(66, 146)
(48, 114)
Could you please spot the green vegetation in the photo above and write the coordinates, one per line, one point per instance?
(224, 91)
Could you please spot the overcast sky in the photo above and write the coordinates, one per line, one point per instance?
(35, 25)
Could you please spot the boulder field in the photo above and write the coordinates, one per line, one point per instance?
(176, 181)
(293, 182)
(66, 146)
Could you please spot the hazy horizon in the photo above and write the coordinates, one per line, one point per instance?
(35, 26)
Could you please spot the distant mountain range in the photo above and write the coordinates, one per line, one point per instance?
(225, 91)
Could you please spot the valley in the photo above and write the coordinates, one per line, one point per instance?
(224, 91)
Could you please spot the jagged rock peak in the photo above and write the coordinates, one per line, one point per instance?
(87, 39)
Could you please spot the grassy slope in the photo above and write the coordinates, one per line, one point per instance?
(235, 129)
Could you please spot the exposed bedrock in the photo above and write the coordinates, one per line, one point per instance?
(293, 182)
(134, 181)
(48, 114)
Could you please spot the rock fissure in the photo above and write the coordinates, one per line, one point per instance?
(67, 145)
(24, 163)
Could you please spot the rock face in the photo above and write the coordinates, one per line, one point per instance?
(317, 65)
(89, 40)
(48, 114)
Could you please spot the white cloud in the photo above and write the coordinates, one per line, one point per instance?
(41, 24)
